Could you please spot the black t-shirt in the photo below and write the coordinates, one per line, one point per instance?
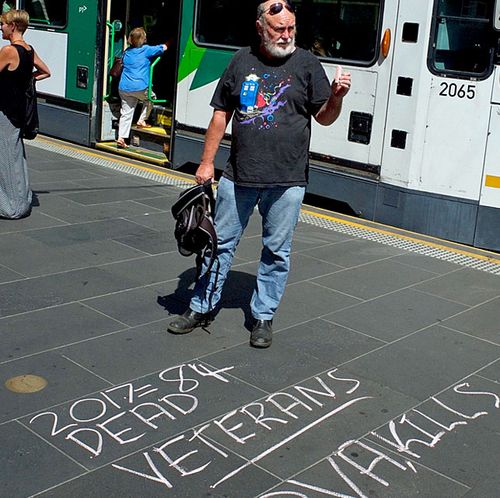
(273, 102)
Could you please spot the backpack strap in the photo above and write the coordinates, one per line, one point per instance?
(191, 196)
(210, 253)
(207, 226)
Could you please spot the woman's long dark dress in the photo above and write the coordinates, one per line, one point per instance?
(15, 194)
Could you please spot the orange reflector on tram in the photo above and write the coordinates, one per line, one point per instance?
(386, 43)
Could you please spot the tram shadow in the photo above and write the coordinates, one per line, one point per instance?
(237, 293)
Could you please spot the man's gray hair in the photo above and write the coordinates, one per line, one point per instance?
(260, 10)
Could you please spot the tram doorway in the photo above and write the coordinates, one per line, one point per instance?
(160, 20)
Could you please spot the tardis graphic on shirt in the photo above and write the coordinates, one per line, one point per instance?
(249, 93)
(261, 98)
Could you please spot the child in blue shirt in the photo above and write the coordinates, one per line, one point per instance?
(134, 82)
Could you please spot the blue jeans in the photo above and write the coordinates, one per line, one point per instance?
(279, 208)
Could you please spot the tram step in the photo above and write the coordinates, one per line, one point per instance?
(157, 131)
(161, 116)
(133, 152)
(157, 140)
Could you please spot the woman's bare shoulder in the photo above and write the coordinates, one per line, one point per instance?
(8, 54)
(8, 49)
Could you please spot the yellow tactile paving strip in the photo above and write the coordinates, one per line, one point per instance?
(425, 245)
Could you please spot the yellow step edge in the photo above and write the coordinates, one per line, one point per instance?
(132, 153)
(154, 130)
(454, 247)
(116, 159)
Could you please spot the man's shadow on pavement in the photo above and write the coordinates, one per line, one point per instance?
(237, 293)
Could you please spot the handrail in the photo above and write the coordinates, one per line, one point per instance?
(111, 26)
(150, 87)
(111, 58)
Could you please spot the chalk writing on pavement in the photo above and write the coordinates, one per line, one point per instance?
(139, 413)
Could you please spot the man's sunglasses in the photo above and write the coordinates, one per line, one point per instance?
(277, 7)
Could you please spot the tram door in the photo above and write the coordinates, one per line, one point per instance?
(159, 18)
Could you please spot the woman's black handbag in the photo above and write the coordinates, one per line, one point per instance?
(30, 127)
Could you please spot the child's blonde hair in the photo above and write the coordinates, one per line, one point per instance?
(137, 37)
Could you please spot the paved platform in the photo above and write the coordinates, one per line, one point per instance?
(383, 379)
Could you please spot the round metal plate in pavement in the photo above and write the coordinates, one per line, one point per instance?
(25, 384)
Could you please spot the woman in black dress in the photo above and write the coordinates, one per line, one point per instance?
(17, 62)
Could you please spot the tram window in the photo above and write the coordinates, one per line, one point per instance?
(340, 29)
(51, 13)
(221, 22)
(334, 29)
(463, 37)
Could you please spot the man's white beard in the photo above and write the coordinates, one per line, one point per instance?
(278, 49)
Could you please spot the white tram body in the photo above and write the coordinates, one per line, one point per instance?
(417, 145)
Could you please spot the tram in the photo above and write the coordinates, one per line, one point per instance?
(417, 145)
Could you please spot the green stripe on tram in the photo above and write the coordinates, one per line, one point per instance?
(208, 64)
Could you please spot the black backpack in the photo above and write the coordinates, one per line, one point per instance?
(194, 227)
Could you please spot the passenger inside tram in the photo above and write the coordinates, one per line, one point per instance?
(159, 19)
(134, 81)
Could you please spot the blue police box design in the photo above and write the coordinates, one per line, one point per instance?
(249, 92)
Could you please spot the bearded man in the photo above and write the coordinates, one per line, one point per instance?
(270, 92)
